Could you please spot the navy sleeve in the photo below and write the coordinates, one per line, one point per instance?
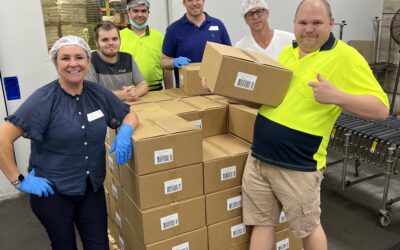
(169, 44)
(116, 109)
(33, 115)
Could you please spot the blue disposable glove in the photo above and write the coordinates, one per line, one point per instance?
(181, 61)
(36, 185)
(122, 144)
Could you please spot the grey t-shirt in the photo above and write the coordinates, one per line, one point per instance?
(114, 76)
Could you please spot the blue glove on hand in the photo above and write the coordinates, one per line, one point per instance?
(181, 61)
(36, 185)
(122, 144)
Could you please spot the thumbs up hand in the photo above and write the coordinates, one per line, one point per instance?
(324, 91)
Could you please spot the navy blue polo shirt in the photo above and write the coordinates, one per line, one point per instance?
(184, 38)
(67, 133)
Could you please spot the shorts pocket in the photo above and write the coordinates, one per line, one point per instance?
(310, 217)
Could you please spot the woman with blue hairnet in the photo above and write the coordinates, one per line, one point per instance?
(66, 121)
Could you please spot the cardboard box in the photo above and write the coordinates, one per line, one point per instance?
(223, 205)
(164, 143)
(208, 115)
(228, 234)
(108, 181)
(160, 223)
(364, 47)
(176, 93)
(284, 239)
(194, 240)
(283, 223)
(190, 80)
(241, 121)
(215, 97)
(163, 187)
(110, 135)
(116, 213)
(112, 228)
(152, 96)
(224, 159)
(211, 116)
(244, 75)
(244, 246)
(111, 163)
(107, 195)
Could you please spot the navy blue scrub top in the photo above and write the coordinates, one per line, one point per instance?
(184, 38)
(67, 133)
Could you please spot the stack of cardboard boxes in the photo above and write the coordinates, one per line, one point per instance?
(182, 188)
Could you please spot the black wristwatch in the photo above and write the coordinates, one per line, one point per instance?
(18, 181)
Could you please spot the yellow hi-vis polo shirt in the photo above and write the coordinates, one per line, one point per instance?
(146, 50)
(295, 134)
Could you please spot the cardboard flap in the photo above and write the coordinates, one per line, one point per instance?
(191, 66)
(173, 124)
(156, 96)
(147, 129)
(246, 55)
(202, 103)
(263, 59)
(211, 152)
(176, 93)
(229, 144)
(148, 106)
(230, 51)
(177, 107)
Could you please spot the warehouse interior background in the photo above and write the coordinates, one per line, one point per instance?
(29, 29)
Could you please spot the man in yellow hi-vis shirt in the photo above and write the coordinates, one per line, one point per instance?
(144, 44)
(285, 168)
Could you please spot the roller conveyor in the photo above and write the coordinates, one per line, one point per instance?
(376, 142)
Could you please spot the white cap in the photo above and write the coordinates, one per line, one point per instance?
(134, 3)
(247, 5)
(68, 40)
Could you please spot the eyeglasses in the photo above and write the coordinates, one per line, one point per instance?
(251, 14)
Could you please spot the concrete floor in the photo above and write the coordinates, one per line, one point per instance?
(350, 218)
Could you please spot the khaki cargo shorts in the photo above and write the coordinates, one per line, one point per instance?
(267, 190)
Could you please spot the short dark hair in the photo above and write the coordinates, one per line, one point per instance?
(104, 26)
(325, 2)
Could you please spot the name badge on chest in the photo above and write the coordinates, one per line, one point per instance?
(213, 28)
(94, 115)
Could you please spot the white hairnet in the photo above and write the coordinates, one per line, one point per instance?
(134, 3)
(247, 5)
(68, 40)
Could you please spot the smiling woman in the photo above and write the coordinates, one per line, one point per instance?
(66, 121)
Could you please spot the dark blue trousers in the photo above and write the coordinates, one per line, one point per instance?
(60, 214)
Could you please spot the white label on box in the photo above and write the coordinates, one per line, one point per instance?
(111, 162)
(173, 186)
(108, 132)
(183, 246)
(197, 123)
(245, 81)
(163, 156)
(169, 221)
(238, 230)
(282, 217)
(118, 219)
(234, 203)
(283, 244)
(228, 173)
(121, 243)
(114, 191)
